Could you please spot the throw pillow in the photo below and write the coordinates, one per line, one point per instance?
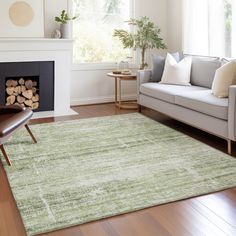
(177, 73)
(225, 61)
(224, 78)
(159, 64)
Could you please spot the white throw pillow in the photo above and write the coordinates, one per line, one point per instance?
(177, 73)
(223, 79)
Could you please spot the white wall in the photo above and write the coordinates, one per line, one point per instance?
(91, 86)
(52, 9)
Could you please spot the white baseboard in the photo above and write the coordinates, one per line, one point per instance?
(46, 114)
(97, 100)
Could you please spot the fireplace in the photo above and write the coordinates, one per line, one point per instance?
(29, 84)
(50, 59)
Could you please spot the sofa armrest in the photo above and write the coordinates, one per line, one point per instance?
(232, 113)
(143, 76)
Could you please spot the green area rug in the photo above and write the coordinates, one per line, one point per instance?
(89, 169)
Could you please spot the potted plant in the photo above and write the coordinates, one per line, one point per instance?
(146, 36)
(64, 19)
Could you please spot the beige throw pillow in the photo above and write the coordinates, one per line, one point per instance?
(223, 79)
(177, 73)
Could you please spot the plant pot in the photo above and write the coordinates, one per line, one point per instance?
(65, 31)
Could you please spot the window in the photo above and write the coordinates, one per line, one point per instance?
(93, 31)
(209, 27)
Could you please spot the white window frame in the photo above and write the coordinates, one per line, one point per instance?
(102, 65)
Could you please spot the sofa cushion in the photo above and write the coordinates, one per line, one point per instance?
(177, 73)
(159, 64)
(203, 70)
(205, 102)
(225, 61)
(224, 78)
(166, 92)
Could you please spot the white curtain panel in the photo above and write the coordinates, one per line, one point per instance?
(234, 28)
(204, 27)
(195, 38)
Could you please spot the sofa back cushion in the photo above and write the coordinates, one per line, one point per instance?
(203, 70)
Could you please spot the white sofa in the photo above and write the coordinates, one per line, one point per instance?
(194, 105)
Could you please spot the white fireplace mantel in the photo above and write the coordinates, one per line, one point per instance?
(43, 49)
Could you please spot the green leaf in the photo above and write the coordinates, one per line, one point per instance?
(146, 36)
(64, 18)
(57, 19)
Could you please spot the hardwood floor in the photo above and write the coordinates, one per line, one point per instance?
(213, 214)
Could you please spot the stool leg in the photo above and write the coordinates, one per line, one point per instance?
(31, 134)
(5, 155)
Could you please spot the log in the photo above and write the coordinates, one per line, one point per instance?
(28, 103)
(35, 98)
(19, 104)
(34, 90)
(11, 83)
(10, 90)
(29, 84)
(28, 94)
(23, 88)
(20, 99)
(21, 81)
(11, 99)
(17, 90)
(35, 83)
(35, 105)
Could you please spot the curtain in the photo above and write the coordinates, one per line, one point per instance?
(233, 29)
(208, 27)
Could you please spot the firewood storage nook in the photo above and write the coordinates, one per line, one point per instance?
(29, 84)
(23, 91)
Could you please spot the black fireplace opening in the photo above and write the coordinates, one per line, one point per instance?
(29, 84)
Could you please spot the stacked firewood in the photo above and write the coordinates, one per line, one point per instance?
(22, 92)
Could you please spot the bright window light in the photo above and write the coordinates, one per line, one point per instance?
(209, 27)
(93, 30)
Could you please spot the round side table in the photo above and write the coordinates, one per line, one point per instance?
(118, 100)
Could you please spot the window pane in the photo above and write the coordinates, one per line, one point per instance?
(94, 29)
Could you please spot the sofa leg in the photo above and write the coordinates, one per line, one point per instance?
(229, 146)
(31, 134)
(139, 108)
(5, 155)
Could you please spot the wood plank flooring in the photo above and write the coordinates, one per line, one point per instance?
(213, 214)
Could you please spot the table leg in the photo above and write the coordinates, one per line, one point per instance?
(120, 93)
(116, 90)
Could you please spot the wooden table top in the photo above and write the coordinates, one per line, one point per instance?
(132, 76)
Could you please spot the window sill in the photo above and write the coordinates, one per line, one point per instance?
(98, 66)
